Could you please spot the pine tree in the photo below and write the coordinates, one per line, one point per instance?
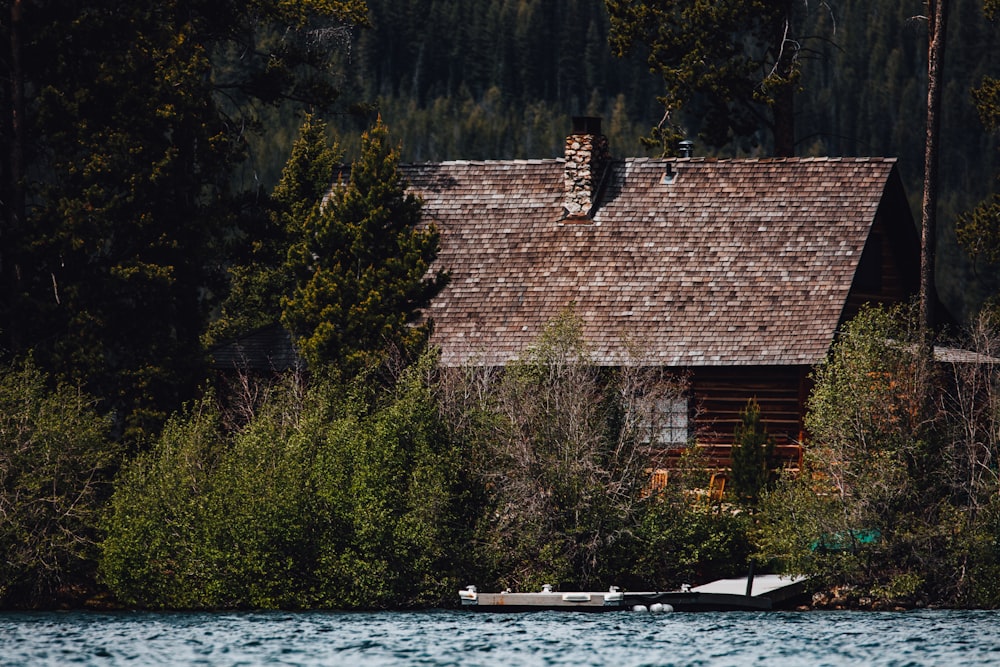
(359, 264)
(729, 67)
(260, 280)
(753, 450)
(978, 230)
(124, 125)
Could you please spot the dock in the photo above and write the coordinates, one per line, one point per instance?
(763, 592)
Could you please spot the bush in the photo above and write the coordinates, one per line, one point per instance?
(333, 495)
(686, 538)
(866, 464)
(158, 546)
(559, 451)
(56, 459)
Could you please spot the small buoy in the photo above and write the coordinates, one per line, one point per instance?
(640, 608)
(659, 608)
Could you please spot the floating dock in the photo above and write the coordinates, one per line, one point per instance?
(763, 592)
(546, 599)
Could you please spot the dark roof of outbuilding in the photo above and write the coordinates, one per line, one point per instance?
(734, 262)
(268, 349)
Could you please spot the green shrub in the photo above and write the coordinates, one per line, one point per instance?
(683, 539)
(158, 549)
(558, 450)
(332, 495)
(56, 458)
(880, 504)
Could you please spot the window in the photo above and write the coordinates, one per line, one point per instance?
(667, 422)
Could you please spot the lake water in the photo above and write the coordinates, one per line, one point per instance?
(467, 639)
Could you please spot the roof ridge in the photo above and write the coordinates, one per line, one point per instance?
(762, 160)
(463, 162)
(874, 159)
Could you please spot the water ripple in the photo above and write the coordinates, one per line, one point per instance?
(444, 638)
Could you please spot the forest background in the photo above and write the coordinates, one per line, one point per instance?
(145, 173)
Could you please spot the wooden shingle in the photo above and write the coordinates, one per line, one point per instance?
(729, 263)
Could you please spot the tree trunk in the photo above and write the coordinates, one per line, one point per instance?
(937, 18)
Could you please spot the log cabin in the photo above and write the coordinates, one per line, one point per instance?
(736, 273)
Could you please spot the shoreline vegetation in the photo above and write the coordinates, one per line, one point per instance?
(372, 493)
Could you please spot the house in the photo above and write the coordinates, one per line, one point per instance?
(736, 272)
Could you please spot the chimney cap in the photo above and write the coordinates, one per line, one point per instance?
(586, 125)
(686, 148)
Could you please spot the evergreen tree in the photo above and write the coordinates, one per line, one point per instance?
(359, 263)
(259, 282)
(979, 229)
(105, 270)
(753, 450)
(126, 124)
(732, 64)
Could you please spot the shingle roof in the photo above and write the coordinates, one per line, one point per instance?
(735, 262)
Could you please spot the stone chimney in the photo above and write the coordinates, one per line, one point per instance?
(587, 160)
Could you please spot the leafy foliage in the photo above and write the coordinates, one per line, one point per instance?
(685, 535)
(898, 495)
(359, 262)
(866, 412)
(329, 497)
(685, 539)
(157, 550)
(56, 459)
(560, 451)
